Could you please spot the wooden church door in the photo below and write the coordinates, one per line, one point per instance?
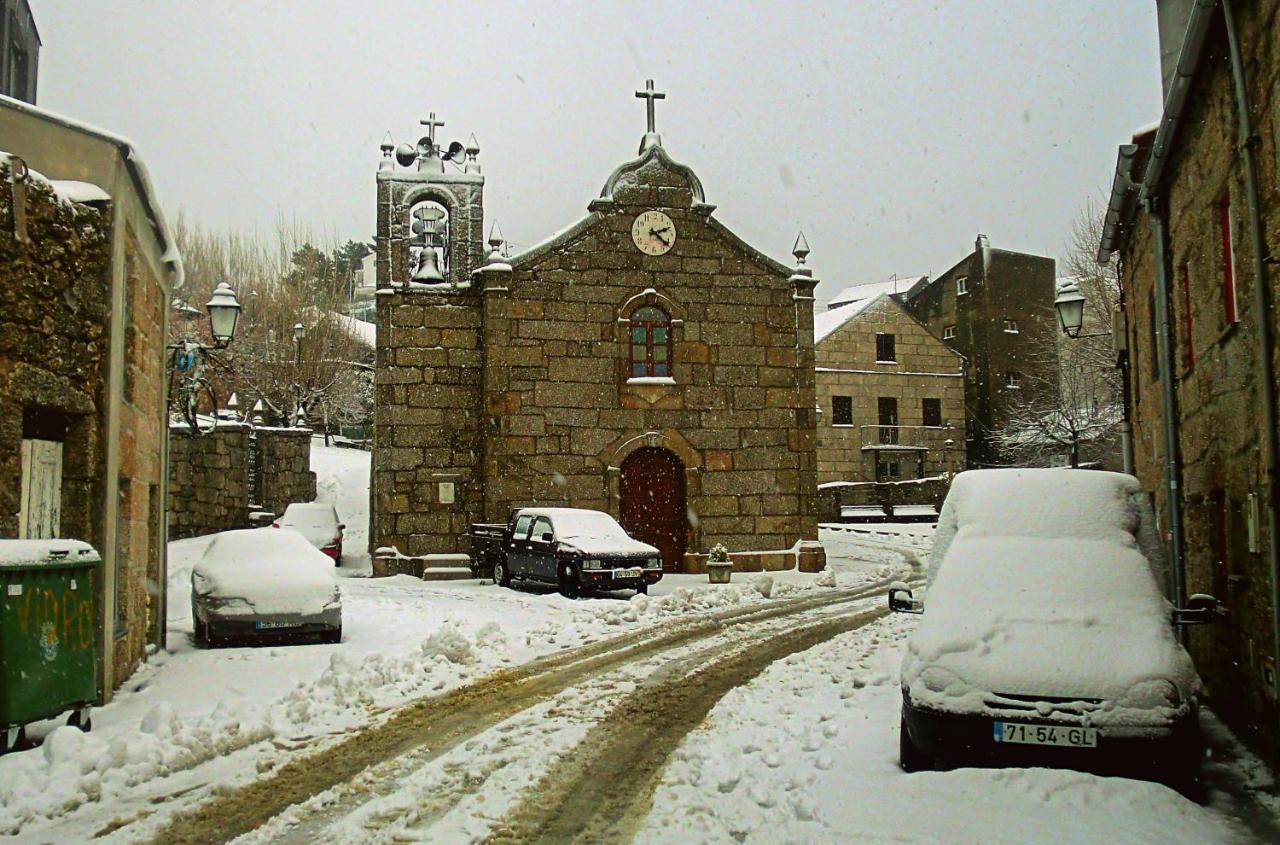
(653, 502)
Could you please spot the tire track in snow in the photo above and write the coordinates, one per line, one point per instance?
(441, 722)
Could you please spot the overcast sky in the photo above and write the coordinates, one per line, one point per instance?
(891, 132)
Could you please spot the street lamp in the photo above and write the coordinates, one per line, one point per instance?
(299, 332)
(224, 313)
(1070, 307)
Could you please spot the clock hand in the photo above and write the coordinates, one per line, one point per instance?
(654, 232)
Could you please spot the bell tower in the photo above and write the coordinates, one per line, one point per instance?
(428, 443)
(430, 212)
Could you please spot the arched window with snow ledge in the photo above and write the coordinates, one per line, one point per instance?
(650, 343)
(429, 225)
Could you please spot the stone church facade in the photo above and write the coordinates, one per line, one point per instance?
(645, 362)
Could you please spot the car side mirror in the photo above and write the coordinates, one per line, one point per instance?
(901, 600)
(548, 537)
(1200, 609)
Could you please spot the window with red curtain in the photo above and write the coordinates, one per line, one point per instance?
(650, 342)
(1189, 351)
(1228, 261)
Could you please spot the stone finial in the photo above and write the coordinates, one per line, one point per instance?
(388, 147)
(473, 151)
(801, 249)
(257, 413)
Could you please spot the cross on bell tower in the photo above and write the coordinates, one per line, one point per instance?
(651, 136)
(432, 124)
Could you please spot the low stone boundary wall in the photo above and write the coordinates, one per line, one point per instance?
(809, 556)
(215, 479)
(208, 481)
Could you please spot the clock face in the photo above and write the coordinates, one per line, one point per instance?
(653, 233)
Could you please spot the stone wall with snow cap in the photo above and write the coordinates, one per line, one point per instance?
(208, 480)
(284, 467)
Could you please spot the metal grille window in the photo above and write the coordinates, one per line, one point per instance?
(885, 348)
(650, 342)
(842, 410)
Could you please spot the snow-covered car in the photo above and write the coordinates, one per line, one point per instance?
(1047, 637)
(258, 584)
(574, 549)
(319, 523)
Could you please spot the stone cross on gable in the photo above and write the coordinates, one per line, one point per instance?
(431, 123)
(650, 95)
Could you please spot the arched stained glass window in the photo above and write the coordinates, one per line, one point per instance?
(650, 342)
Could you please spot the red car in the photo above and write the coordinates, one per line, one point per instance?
(318, 523)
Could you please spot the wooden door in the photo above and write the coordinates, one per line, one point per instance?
(653, 502)
(40, 513)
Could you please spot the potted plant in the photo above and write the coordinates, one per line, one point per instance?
(719, 566)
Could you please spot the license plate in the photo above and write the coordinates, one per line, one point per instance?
(262, 625)
(634, 572)
(1020, 734)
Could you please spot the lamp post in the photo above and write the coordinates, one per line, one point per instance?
(299, 332)
(188, 358)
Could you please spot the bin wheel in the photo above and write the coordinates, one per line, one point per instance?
(19, 739)
(74, 720)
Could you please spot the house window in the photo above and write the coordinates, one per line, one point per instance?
(949, 333)
(1188, 352)
(650, 343)
(842, 410)
(887, 414)
(1011, 326)
(887, 470)
(931, 411)
(885, 349)
(962, 285)
(1228, 261)
(1013, 379)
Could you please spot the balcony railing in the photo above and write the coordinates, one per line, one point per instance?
(905, 437)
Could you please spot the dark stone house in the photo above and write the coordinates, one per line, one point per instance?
(645, 362)
(995, 308)
(1194, 217)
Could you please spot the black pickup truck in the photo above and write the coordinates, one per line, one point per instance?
(573, 549)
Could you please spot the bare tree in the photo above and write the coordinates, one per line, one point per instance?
(281, 284)
(1080, 402)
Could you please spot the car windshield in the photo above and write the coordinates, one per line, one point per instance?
(309, 516)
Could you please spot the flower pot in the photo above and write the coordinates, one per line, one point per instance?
(718, 572)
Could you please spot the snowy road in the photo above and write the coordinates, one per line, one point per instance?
(619, 706)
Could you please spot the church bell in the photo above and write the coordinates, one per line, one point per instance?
(428, 272)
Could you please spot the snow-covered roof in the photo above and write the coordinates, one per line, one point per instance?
(870, 290)
(826, 322)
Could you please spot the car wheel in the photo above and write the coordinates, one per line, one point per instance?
(19, 740)
(501, 575)
(911, 758)
(568, 583)
(642, 590)
(73, 721)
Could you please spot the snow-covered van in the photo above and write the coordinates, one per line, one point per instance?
(1047, 636)
(573, 549)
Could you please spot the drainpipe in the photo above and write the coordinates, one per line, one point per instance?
(1249, 142)
(1167, 410)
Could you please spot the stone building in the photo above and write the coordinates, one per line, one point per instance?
(891, 394)
(995, 308)
(19, 51)
(1195, 203)
(87, 266)
(645, 361)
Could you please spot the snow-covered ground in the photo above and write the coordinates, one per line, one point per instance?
(403, 639)
(808, 753)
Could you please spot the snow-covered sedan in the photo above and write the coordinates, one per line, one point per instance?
(319, 523)
(258, 585)
(1048, 638)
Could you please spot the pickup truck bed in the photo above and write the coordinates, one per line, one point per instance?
(486, 547)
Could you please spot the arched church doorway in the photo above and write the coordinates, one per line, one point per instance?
(653, 507)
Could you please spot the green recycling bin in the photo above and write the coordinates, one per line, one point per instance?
(48, 637)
